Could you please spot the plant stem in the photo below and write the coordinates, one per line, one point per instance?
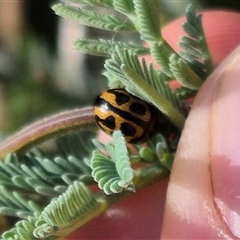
(46, 129)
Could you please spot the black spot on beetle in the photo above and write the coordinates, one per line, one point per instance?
(138, 108)
(121, 98)
(127, 129)
(109, 122)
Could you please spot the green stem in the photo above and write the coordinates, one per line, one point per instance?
(46, 129)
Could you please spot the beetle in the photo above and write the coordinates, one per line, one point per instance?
(117, 109)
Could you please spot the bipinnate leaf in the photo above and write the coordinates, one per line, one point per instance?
(67, 212)
(114, 173)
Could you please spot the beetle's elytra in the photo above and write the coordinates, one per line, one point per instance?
(116, 109)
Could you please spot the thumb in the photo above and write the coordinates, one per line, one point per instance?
(203, 194)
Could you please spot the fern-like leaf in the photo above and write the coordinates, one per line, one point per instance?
(184, 74)
(148, 73)
(23, 230)
(137, 81)
(48, 176)
(92, 19)
(158, 81)
(161, 52)
(93, 3)
(105, 48)
(113, 174)
(195, 47)
(13, 204)
(119, 154)
(66, 213)
(148, 16)
(124, 7)
(161, 103)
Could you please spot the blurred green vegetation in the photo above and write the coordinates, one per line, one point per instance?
(30, 90)
(29, 83)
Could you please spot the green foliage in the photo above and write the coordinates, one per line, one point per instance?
(194, 45)
(114, 173)
(51, 191)
(185, 75)
(148, 19)
(124, 7)
(190, 66)
(45, 176)
(92, 19)
(15, 204)
(159, 150)
(124, 58)
(161, 53)
(93, 3)
(106, 48)
(67, 212)
(138, 80)
(36, 174)
(22, 230)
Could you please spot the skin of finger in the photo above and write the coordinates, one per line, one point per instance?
(172, 33)
(225, 145)
(191, 209)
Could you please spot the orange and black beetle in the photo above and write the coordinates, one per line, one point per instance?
(116, 109)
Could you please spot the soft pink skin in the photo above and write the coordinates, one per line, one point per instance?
(225, 145)
(203, 192)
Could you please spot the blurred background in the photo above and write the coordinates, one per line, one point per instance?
(41, 73)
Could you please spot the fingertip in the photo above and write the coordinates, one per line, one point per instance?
(203, 192)
(224, 138)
